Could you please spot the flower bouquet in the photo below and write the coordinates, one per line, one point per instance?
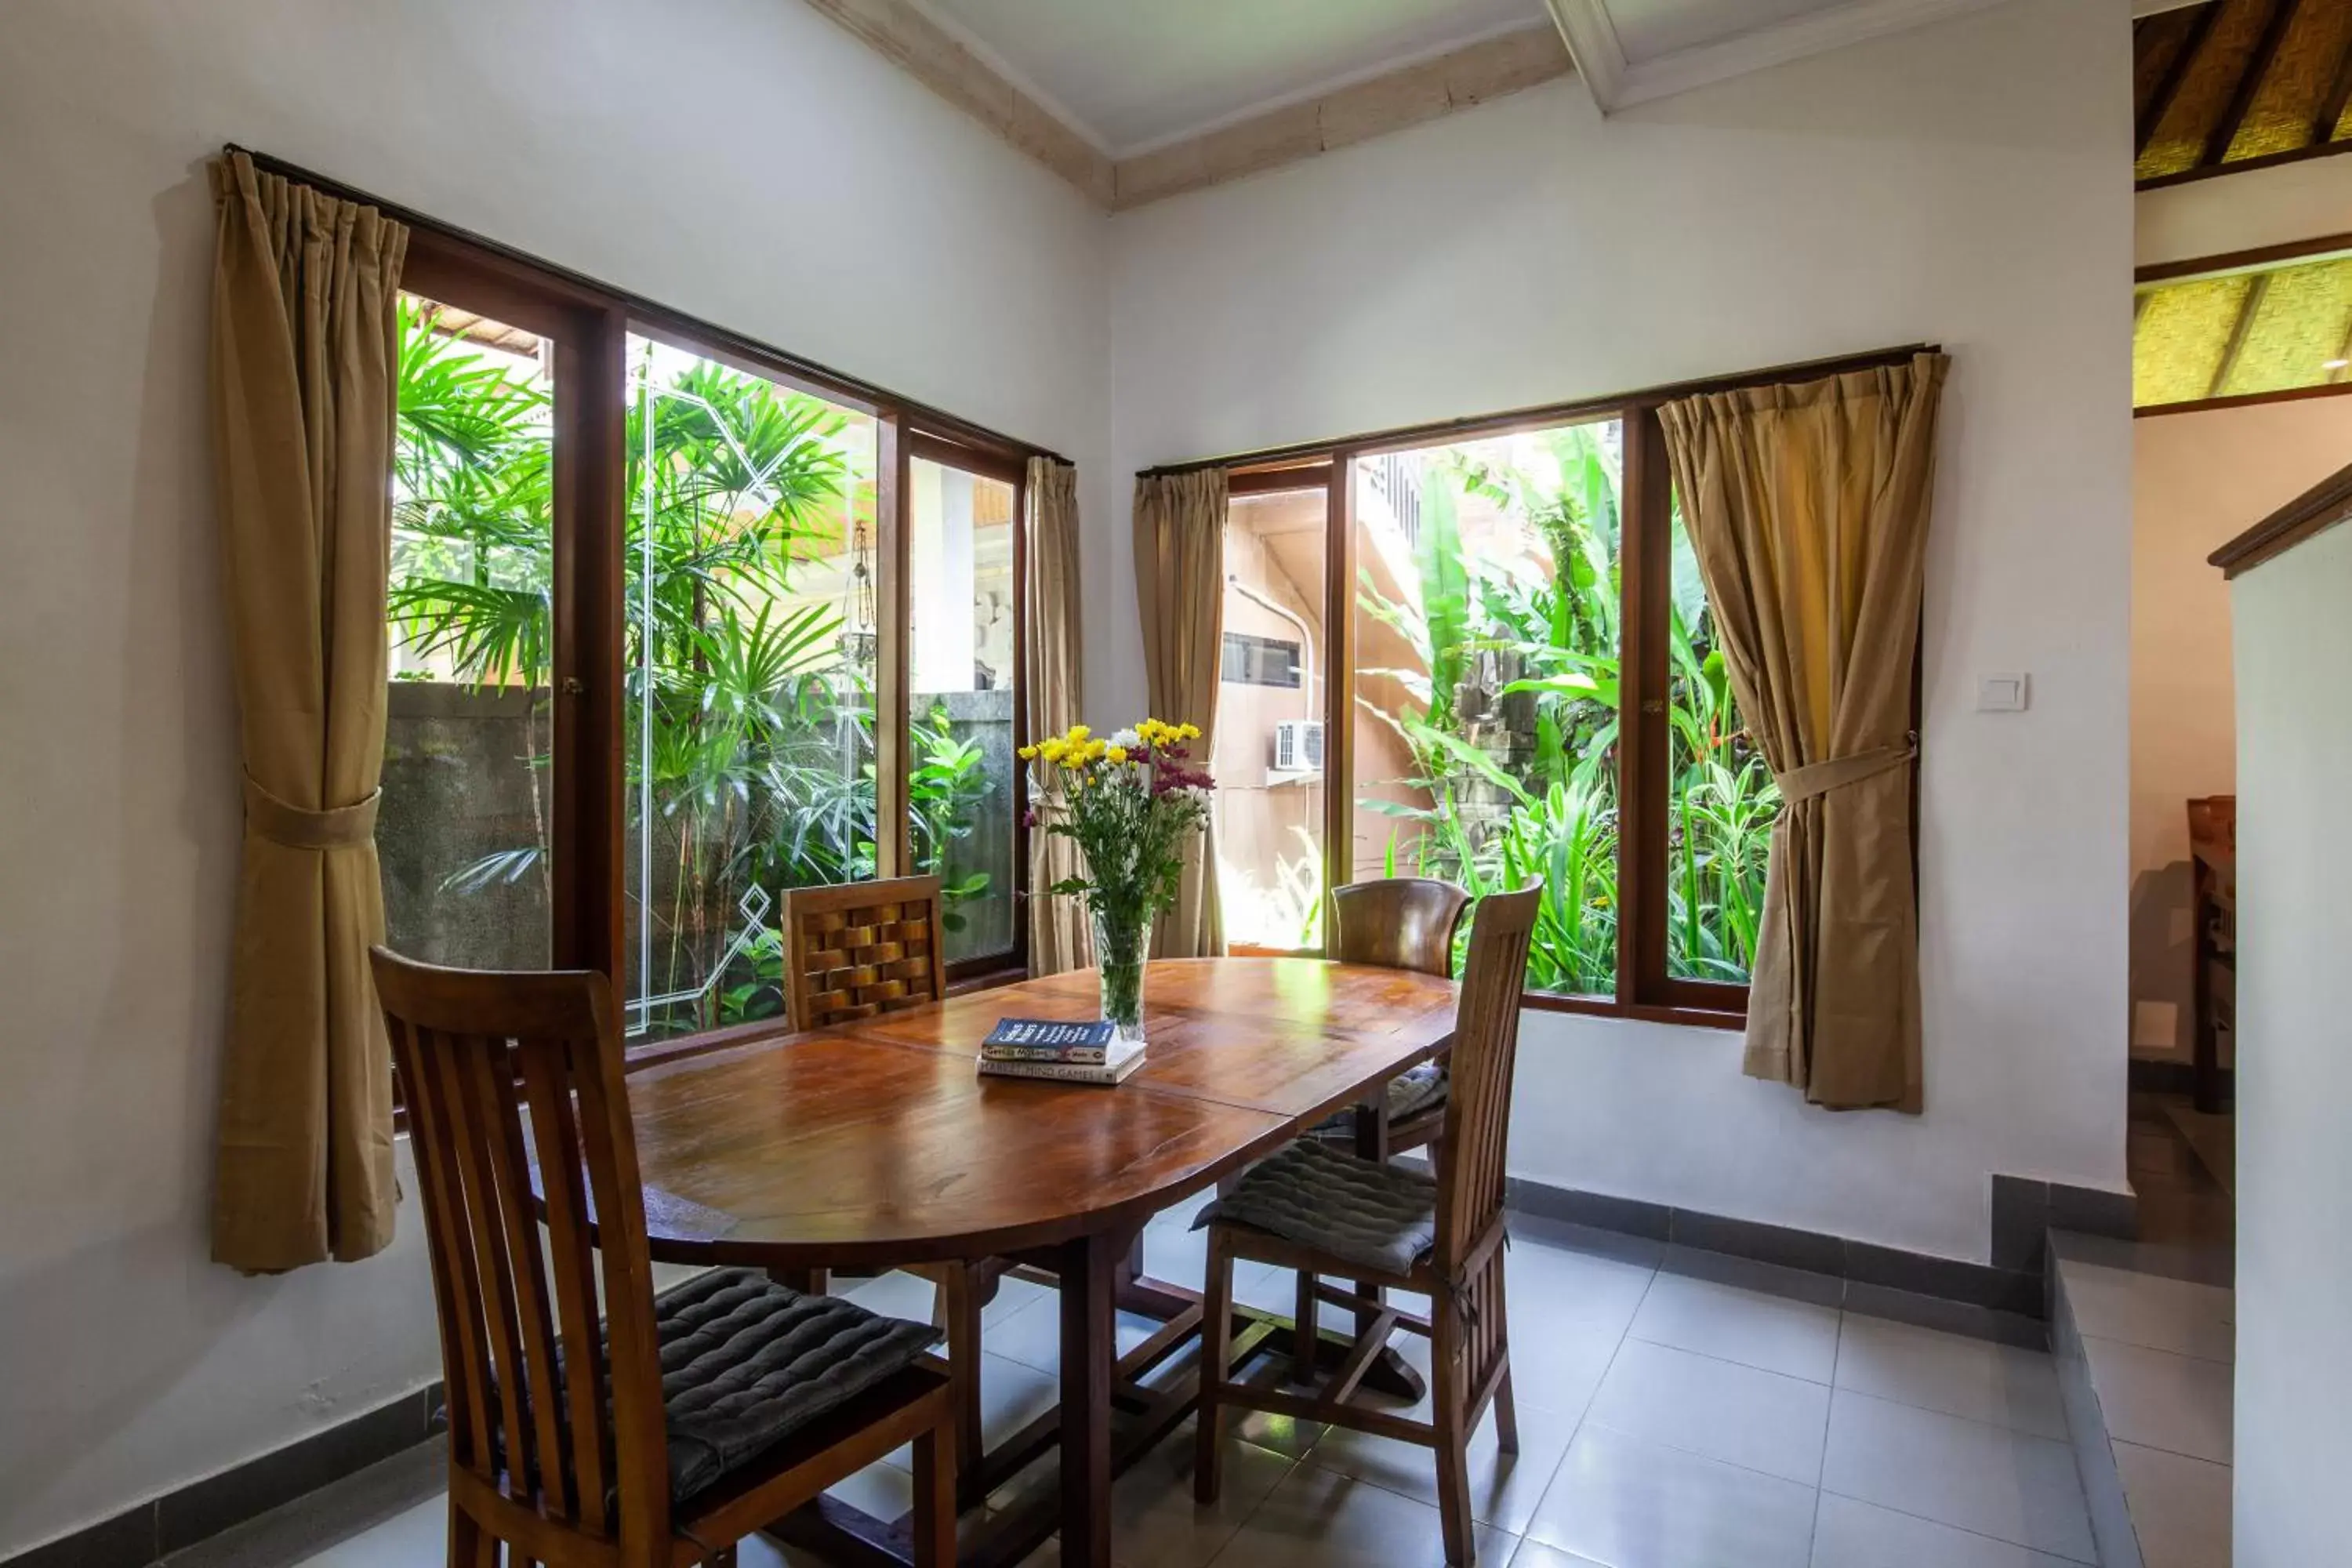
(1130, 801)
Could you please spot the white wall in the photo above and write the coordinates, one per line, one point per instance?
(2252, 209)
(1964, 183)
(740, 159)
(2197, 481)
(2293, 1443)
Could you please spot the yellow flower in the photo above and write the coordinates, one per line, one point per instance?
(1097, 750)
(1052, 750)
(1117, 754)
(1028, 753)
(1078, 733)
(1188, 731)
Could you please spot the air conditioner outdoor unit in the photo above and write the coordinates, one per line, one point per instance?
(1298, 746)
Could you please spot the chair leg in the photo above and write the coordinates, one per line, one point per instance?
(934, 1497)
(1507, 1415)
(1216, 1354)
(470, 1546)
(1304, 1332)
(1449, 1403)
(722, 1557)
(959, 1312)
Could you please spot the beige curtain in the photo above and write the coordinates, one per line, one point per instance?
(1808, 508)
(1180, 591)
(304, 291)
(1059, 937)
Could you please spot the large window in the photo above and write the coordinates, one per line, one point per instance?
(1525, 686)
(680, 624)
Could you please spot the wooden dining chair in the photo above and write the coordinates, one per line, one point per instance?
(660, 1433)
(853, 951)
(1321, 1212)
(1401, 922)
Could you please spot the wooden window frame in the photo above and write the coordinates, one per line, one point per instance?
(1644, 989)
(589, 324)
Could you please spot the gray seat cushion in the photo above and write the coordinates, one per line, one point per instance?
(746, 1363)
(1409, 1093)
(1383, 1216)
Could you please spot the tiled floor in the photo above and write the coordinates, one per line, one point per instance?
(1665, 1421)
(2148, 1342)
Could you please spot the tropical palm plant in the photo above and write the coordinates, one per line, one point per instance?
(750, 742)
(1546, 632)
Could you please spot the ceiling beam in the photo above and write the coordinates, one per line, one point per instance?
(1619, 82)
(1477, 73)
(902, 34)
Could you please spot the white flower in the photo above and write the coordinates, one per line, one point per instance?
(1128, 740)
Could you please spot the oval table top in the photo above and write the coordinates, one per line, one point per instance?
(880, 1142)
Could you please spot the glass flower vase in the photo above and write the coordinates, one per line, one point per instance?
(1122, 947)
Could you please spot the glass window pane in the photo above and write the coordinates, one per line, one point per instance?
(1723, 802)
(751, 646)
(1268, 754)
(462, 832)
(960, 708)
(1486, 628)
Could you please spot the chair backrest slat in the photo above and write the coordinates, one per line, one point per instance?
(519, 1120)
(1485, 1049)
(1400, 922)
(861, 948)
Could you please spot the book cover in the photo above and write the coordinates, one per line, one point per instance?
(1049, 1040)
(1123, 1062)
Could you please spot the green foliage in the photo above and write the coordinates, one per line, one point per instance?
(751, 729)
(1490, 633)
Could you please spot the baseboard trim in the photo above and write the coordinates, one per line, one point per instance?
(2006, 1300)
(204, 1508)
(2168, 1075)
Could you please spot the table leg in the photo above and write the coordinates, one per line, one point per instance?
(1089, 1269)
(1371, 1144)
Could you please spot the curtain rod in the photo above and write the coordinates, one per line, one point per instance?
(1404, 436)
(921, 413)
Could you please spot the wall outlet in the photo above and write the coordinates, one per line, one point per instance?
(2002, 693)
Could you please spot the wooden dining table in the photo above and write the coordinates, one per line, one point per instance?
(875, 1144)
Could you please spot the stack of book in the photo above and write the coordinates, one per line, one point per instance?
(1063, 1052)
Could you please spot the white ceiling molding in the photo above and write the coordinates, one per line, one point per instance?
(1618, 82)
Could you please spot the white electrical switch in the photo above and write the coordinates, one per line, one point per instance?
(2001, 694)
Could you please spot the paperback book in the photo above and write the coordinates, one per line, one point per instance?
(1123, 1060)
(1049, 1040)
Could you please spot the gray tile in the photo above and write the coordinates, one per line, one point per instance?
(1954, 1278)
(1320, 1519)
(1632, 1217)
(1155, 1524)
(2009, 1484)
(126, 1540)
(394, 1511)
(1804, 1250)
(2177, 1315)
(1983, 1381)
(1748, 1274)
(1962, 1318)
(1849, 1533)
(1760, 1420)
(2179, 1507)
(1503, 1487)
(1536, 1554)
(2159, 1400)
(204, 1510)
(1798, 1338)
(1630, 1503)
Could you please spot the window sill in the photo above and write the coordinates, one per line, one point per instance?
(1641, 1012)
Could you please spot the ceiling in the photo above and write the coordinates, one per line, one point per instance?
(1130, 75)
(1133, 76)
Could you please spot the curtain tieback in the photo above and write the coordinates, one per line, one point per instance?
(338, 828)
(1819, 778)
